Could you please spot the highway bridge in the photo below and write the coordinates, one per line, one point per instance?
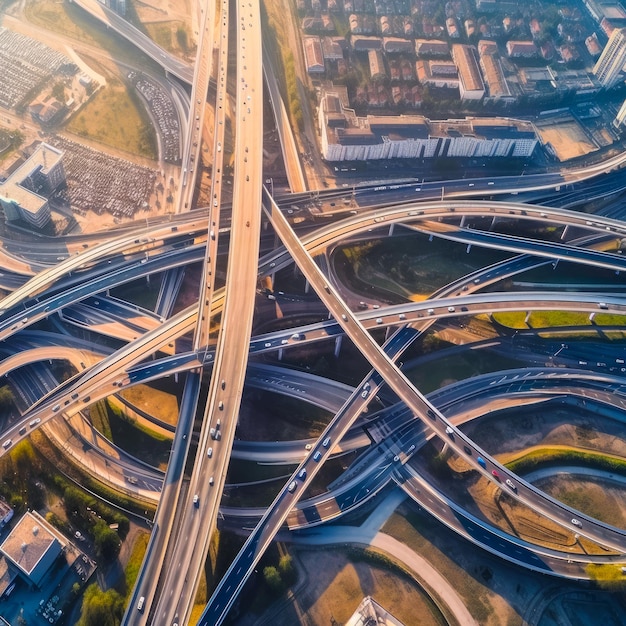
(442, 210)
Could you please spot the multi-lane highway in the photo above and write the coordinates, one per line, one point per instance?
(178, 548)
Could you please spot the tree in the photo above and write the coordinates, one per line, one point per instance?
(286, 569)
(74, 500)
(107, 541)
(58, 91)
(181, 37)
(101, 608)
(272, 579)
(6, 398)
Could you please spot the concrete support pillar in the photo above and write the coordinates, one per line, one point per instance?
(463, 221)
(307, 286)
(564, 231)
(469, 247)
(338, 341)
(527, 318)
(391, 227)
(280, 354)
(493, 222)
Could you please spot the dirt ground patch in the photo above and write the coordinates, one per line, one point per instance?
(567, 138)
(335, 586)
(514, 431)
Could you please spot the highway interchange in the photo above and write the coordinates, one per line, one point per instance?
(180, 545)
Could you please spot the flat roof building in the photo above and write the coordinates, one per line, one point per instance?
(22, 193)
(31, 547)
(346, 137)
(471, 86)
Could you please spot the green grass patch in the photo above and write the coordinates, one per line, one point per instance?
(411, 266)
(607, 573)
(139, 292)
(100, 418)
(430, 377)
(115, 117)
(139, 442)
(549, 319)
(136, 558)
(559, 456)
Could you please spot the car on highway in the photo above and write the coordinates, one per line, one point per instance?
(292, 486)
(481, 462)
(326, 442)
(209, 452)
(317, 456)
(211, 481)
(34, 422)
(302, 473)
(496, 474)
(449, 432)
(196, 501)
(298, 336)
(7, 444)
(511, 484)
(577, 523)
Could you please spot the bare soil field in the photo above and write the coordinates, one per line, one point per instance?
(568, 140)
(333, 587)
